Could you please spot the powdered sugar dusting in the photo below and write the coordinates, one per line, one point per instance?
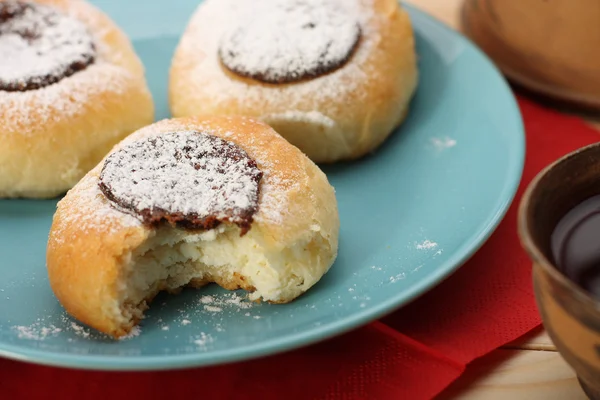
(203, 339)
(29, 112)
(397, 277)
(86, 207)
(274, 197)
(80, 330)
(36, 331)
(211, 83)
(187, 173)
(42, 330)
(426, 245)
(33, 112)
(95, 212)
(283, 41)
(190, 320)
(276, 187)
(443, 143)
(230, 301)
(39, 45)
(135, 332)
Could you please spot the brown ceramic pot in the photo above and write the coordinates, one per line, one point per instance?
(570, 315)
(550, 47)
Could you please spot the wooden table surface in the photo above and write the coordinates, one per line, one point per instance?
(528, 369)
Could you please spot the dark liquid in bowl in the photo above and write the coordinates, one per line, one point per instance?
(576, 245)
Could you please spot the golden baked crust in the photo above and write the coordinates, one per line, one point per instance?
(342, 115)
(93, 247)
(52, 136)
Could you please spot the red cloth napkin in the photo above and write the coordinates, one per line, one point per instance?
(412, 354)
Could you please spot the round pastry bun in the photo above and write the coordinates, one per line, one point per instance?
(53, 135)
(341, 115)
(105, 265)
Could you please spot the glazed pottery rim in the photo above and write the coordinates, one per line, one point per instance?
(524, 230)
(586, 101)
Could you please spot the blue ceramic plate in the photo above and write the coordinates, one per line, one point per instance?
(411, 214)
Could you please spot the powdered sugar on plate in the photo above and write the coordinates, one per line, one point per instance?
(36, 331)
(229, 301)
(442, 143)
(135, 332)
(426, 245)
(42, 330)
(203, 339)
(80, 330)
(397, 277)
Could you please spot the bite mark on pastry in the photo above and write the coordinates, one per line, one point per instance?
(291, 41)
(189, 179)
(40, 46)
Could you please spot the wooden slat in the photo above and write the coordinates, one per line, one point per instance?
(537, 340)
(595, 124)
(517, 375)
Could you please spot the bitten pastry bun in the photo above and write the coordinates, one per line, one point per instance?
(334, 77)
(71, 87)
(186, 202)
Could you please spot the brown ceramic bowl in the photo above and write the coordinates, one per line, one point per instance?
(570, 315)
(549, 47)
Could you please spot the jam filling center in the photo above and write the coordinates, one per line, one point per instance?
(285, 41)
(189, 179)
(40, 46)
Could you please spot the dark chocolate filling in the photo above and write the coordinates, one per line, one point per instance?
(57, 46)
(189, 180)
